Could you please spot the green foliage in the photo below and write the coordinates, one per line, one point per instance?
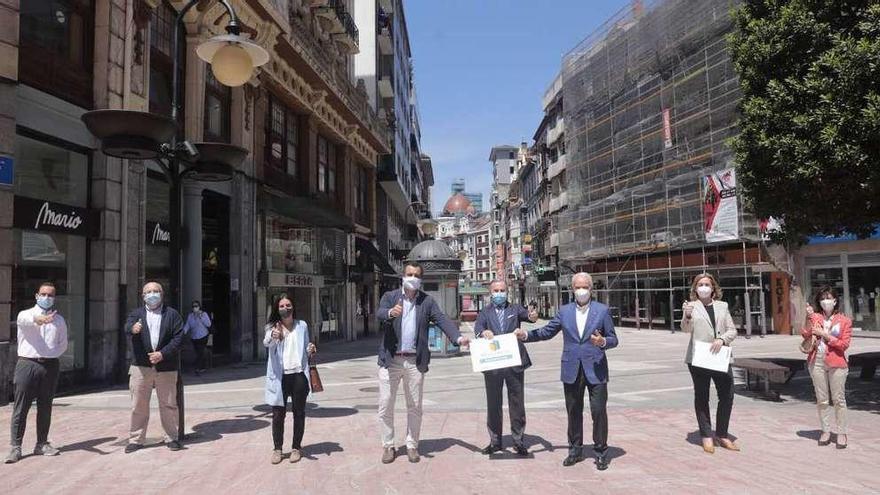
(809, 150)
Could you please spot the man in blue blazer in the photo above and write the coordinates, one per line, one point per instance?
(588, 332)
(499, 318)
(404, 315)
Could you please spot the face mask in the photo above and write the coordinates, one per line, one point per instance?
(582, 296)
(284, 313)
(195, 308)
(499, 298)
(152, 299)
(45, 302)
(704, 291)
(828, 304)
(412, 283)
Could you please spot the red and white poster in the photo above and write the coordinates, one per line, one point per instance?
(720, 211)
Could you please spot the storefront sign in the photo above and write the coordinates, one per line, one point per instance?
(720, 210)
(37, 214)
(7, 166)
(779, 287)
(282, 279)
(158, 234)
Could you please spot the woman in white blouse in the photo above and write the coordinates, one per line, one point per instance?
(287, 374)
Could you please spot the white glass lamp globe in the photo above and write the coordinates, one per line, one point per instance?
(232, 58)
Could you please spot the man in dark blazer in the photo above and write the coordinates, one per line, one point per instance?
(156, 334)
(587, 332)
(499, 318)
(404, 316)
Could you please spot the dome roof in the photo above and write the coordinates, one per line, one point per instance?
(431, 250)
(457, 205)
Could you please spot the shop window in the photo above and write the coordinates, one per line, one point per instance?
(289, 246)
(55, 52)
(59, 173)
(281, 138)
(218, 109)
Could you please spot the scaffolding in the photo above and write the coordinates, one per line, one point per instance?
(650, 102)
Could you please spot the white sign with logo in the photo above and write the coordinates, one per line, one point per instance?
(502, 351)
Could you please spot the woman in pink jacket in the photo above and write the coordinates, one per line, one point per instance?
(827, 334)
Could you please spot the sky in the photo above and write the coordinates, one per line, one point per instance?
(481, 68)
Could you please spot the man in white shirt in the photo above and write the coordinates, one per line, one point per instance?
(42, 339)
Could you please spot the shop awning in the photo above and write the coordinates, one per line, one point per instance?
(375, 256)
(308, 211)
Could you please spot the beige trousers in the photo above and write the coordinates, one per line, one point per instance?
(142, 380)
(401, 368)
(830, 385)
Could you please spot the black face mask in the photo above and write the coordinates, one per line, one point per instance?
(284, 313)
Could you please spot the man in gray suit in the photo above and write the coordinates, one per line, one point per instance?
(496, 319)
(404, 315)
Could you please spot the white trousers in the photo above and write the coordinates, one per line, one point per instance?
(401, 367)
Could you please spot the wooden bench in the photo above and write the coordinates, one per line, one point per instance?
(769, 371)
(868, 361)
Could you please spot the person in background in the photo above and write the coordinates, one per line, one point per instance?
(197, 327)
(287, 374)
(42, 339)
(707, 319)
(156, 334)
(830, 333)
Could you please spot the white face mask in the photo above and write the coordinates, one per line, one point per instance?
(828, 304)
(704, 291)
(582, 296)
(412, 283)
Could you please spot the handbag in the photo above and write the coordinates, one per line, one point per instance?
(806, 346)
(314, 377)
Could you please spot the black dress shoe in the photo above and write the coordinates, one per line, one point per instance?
(132, 447)
(521, 451)
(572, 459)
(491, 449)
(602, 461)
(174, 445)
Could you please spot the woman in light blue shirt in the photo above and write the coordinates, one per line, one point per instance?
(287, 373)
(197, 328)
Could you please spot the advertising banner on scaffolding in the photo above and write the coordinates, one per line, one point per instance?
(720, 210)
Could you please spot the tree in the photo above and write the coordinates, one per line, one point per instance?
(809, 147)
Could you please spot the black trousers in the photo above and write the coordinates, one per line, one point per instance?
(33, 380)
(724, 387)
(200, 345)
(295, 386)
(495, 380)
(574, 404)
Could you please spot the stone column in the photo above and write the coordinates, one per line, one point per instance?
(191, 270)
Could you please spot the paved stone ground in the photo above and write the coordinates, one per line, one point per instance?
(655, 447)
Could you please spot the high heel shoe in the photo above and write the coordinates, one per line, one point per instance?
(841, 445)
(825, 442)
(708, 446)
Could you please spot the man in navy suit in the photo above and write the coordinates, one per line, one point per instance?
(588, 333)
(499, 318)
(405, 315)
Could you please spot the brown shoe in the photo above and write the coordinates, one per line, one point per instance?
(276, 457)
(708, 446)
(295, 455)
(413, 455)
(728, 444)
(388, 454)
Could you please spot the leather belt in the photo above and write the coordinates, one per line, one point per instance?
(39, 360)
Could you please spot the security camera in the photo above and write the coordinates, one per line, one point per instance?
(190, 149)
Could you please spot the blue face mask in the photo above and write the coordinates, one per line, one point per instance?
(152, 299)
(499, 298)
(45, 302)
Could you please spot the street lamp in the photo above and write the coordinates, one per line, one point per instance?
(426, 226)
(137, 135)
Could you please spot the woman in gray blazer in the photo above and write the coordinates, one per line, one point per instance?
(707, 319)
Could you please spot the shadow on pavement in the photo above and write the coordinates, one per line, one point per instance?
(694, 438)
(435, 445)
(88, 445)
(323, 448)
(315, 411)
(612, 452)
(214, 430)
(810, 434)
(532, 440)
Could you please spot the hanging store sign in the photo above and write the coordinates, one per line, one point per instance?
(158, 234)
(667, 129)
(720, 210)
(37, 214)
(285, 279)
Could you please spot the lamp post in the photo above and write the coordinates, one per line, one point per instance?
(425, 226)
(137, 135)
